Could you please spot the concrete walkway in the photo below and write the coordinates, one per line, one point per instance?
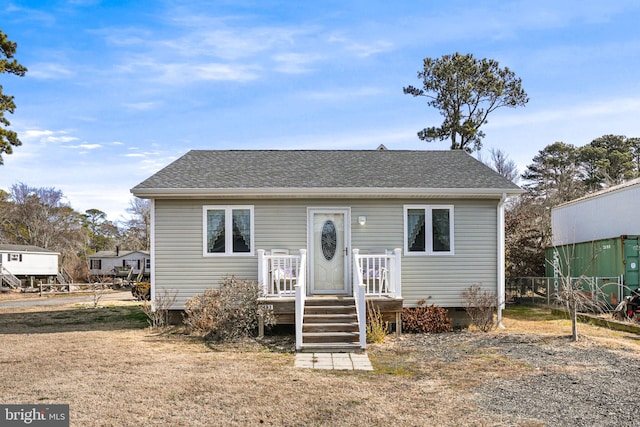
(338, 361)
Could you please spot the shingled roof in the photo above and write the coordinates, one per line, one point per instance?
(290, 172)
(24, 248)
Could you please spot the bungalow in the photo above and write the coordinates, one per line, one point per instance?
(119, 263)
(20, 264)
(328, 227)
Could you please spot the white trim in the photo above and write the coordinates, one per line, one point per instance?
(341, 192)
(152, 253)
(500, 272)
(428, 212)
(346, 211)
(228, 221)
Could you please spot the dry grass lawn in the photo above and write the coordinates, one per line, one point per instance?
(112, 370)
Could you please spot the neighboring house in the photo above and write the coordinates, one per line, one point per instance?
(391, 226)
(119, 263)
(598, 235)
(24, 264)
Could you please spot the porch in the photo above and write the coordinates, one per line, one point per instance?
(326, 321)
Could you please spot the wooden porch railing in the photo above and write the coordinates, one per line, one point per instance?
(7, 277)
(278, 274)
(379, 273)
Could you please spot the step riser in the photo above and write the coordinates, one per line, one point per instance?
(326, 327)
(329, 339)
(327, 348)
(329, 310)
(330, 301)
(330, 319)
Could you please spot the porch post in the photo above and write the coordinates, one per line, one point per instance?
(262, 269)
(397, 273)
(355, 270)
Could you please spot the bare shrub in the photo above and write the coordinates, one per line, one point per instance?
(158, 313)
(480, 305)
(97, 292)
(576, 294)
(141, 291)
(229, 313)
(377, 329)
(425, 319)
(201, 312)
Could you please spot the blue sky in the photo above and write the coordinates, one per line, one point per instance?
(118, 89)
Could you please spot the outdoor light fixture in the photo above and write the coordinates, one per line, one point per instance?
(362, 220)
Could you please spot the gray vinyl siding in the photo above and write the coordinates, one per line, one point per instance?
(441, 279)
(180, 266)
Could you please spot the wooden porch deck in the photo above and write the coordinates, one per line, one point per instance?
(284, 309)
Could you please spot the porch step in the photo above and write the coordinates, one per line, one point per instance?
(348, 347)
(330, 337)
(330, 309)
(330, 325)
(330, 318)
(329, 301)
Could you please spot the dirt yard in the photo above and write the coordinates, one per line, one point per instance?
(112, 370)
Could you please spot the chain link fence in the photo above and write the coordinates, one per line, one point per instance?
(608, 291)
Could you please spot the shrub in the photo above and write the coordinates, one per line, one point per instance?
(480, 305)
(377, 329)
(421, 319)
(229, 313)
(158, 315)
(201, 312)
(141, 291)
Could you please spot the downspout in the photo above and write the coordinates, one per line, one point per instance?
(501, 259)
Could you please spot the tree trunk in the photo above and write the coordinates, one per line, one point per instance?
(574, 322)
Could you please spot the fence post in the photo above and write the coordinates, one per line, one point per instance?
(532, 292)
(548, 292)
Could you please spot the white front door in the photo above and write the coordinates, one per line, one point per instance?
(329, 251)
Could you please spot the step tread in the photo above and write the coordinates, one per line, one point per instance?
(330, 334)
(333, 324)
(331, 347)
(324, 303)
(332, 318)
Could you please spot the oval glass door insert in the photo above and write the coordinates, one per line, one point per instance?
(328, 240)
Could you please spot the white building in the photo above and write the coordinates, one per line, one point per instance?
(25, 262)
(603, 215)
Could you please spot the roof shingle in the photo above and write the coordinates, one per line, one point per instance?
(324, 169)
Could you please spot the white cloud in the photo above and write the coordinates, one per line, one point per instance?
(361, 49)
(295, 63)
(62, 139)
(49, 71)
(46, 136)
(142, 106)
(85, 146)
(578, 112)
(345, 94)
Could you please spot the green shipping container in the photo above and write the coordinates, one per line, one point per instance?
(600, 258)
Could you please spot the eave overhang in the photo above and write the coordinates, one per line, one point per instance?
(340, 193)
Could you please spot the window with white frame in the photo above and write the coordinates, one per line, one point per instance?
(428, 229)
(228, 230)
